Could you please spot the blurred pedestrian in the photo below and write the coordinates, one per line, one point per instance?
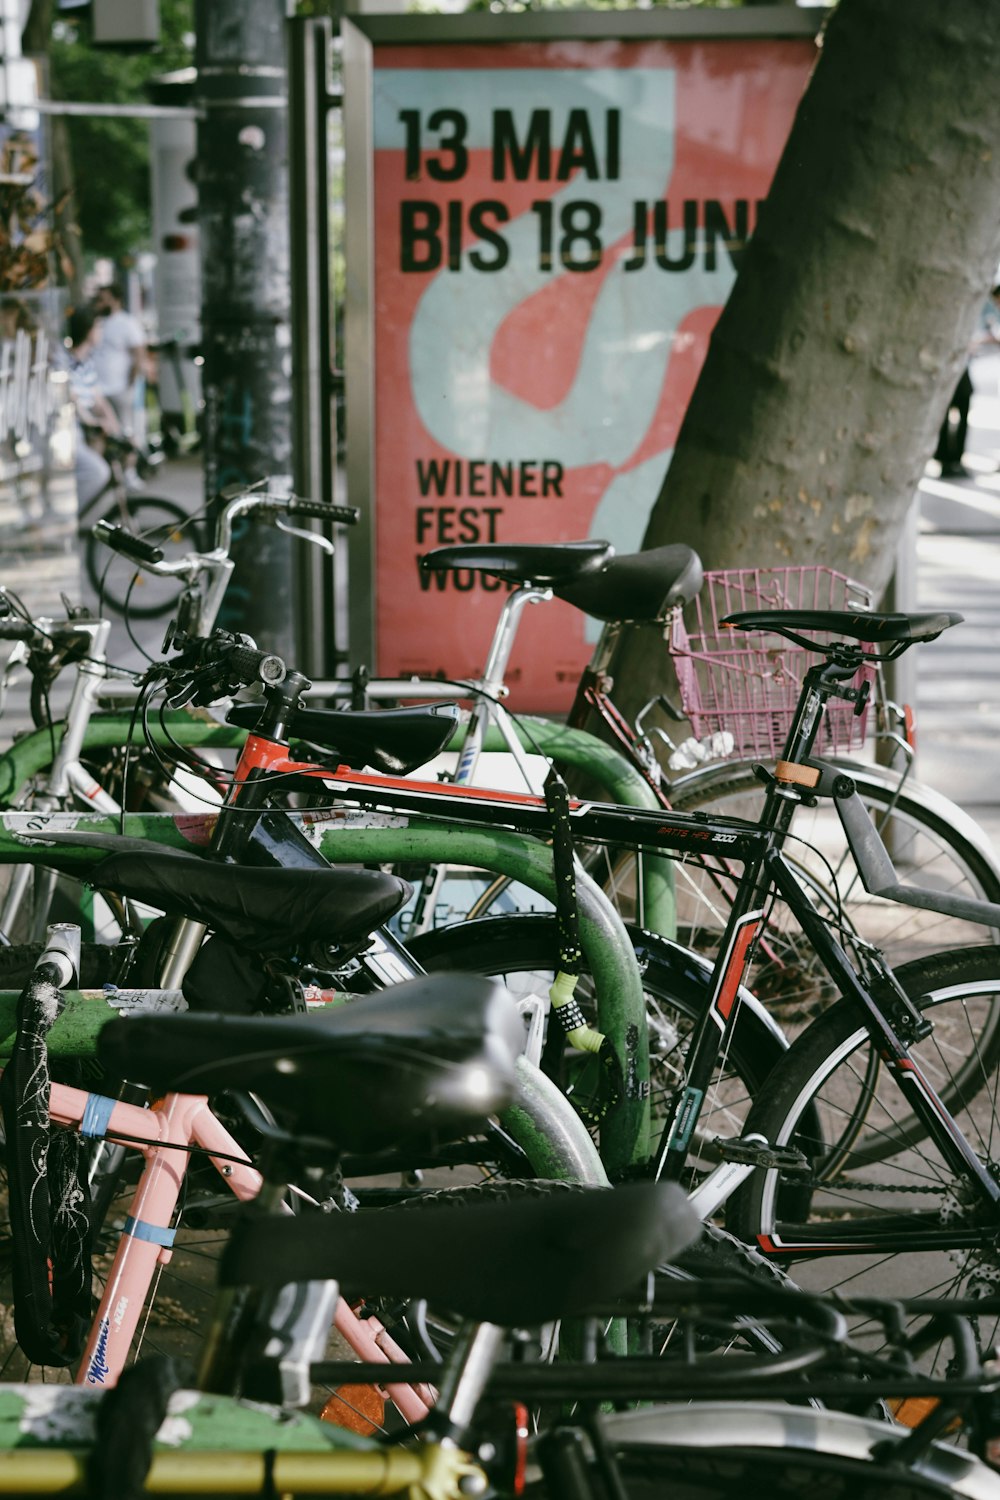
(123, 365)
(950, 449)
(94, 413)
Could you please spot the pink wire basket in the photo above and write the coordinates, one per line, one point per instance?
(747, 686)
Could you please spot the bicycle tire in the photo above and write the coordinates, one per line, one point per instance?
(715, 1450)
(869, 1159)
(522, 949)
(119, 583)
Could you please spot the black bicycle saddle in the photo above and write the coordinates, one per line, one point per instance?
(394, 741)
(546, 564)
(860, 625)
(524, 1260)
(434, 1053)
(266, 909)
(639, 586)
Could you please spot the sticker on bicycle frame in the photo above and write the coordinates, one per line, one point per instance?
(687, 1116)
(735, 964)
(97, 1370)
(146, 1002)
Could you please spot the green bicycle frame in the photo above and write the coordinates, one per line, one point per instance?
(622, 783)
(30, 755)
(619, 782)
(354, 837)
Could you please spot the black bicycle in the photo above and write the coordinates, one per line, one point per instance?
(117, 581)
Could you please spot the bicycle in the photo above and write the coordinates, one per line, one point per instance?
(668, 581)
(607, 825)
(151, 515)
(929, 835)
(55, 767)
(587, 1454)
(156, 1242)
(635, 1112)
(740, 700)
(672, 980)
(448, 1015)
(893, 1008)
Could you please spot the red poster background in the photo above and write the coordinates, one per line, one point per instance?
(735, 101)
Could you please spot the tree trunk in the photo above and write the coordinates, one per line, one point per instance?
(849, 324)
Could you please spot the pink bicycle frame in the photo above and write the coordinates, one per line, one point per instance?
(163, 1134)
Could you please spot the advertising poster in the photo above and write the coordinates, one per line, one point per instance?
(555, 228)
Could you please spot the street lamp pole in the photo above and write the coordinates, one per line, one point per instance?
(241, 170)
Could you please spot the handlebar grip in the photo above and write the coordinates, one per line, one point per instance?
(347, 515)
(248, 665)
(123, 541)
(16, 630)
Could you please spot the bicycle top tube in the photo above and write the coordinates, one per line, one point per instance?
(524, 812)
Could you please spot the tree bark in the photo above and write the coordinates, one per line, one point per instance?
(849, 323)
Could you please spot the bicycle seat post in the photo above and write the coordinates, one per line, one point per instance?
(492, 682)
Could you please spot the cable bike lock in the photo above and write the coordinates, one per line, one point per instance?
(562, 994)
(50, 1227)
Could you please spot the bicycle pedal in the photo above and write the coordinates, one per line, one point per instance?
(754, 1151)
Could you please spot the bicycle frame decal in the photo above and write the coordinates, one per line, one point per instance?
(98, 1368)
(737, 958)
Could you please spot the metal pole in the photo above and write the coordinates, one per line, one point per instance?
(246, 335)
(312, 341)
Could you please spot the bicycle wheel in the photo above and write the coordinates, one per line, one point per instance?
(927, 849)
(716, 1450)
(122, 585)
(522, 950)
(870, 1165)
(179, 1301)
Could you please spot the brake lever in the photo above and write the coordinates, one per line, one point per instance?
(315, 537)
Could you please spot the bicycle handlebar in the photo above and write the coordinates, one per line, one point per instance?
(119, 539)
(16, 630)
(238, 500)
(247, 665)
(347, 515)
(221, 663)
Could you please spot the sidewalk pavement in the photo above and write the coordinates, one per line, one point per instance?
(957, 568)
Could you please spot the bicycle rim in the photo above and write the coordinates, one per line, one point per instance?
(871, 1166)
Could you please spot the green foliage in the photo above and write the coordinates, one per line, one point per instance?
(336, 8)
(516, 7)
(111, 156)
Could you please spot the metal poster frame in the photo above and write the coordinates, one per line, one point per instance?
(362, 37)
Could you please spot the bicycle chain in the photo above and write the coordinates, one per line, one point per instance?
(847, 1185)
